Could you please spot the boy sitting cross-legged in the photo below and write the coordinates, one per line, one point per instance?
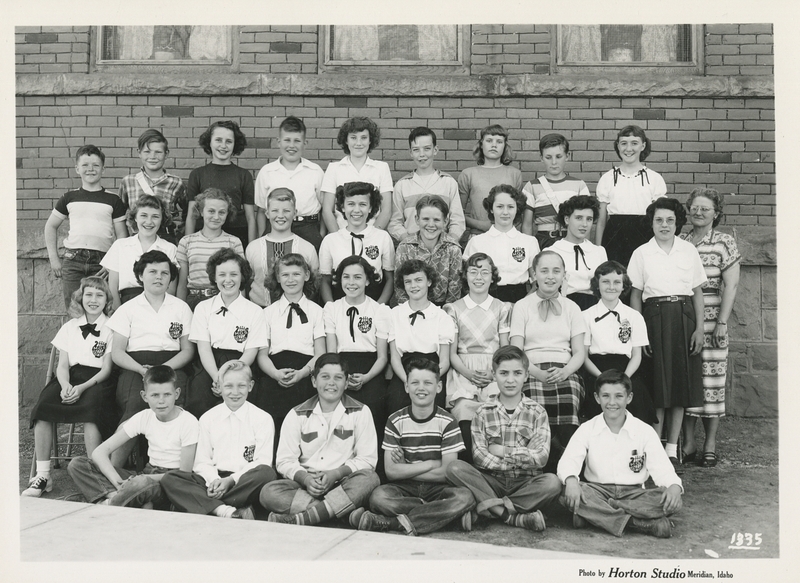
(171, 436)
(620, 452)
(419, 443)
(234, 453)
(327, 453)
(510, 446)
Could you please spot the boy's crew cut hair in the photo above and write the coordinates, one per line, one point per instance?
(578, 202)
(282, 194)
(159, 375)
(369, 271)
(493, 130)
(518, 197)
(151, 202)
(509, 352)
(435, 201)
(543, 253)
(421, 363)
(637, 132)
(330, 358)
(76, 300)
(410, 266)
(712, 194)
(228, 254)
(355, 125)
(605, 268)
(90, 150)
(613, 377)
(670, 204)
(234, 366)
(292, 125)
(151, 136)
(154, 256)
(349, 189)
(553, 141)
(472, 261)
(420, 131)
(272, 278)
(239, 139)
(212, 193)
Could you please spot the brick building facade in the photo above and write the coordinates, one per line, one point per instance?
(713, 126)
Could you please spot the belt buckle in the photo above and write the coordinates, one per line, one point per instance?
(555, 233)
(673, 298)
(299, 219)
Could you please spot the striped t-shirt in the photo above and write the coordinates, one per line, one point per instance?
(423, 439)
(91, 215)
(545, 214)
(195, 249)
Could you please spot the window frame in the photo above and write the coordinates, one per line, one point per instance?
(152, 66)
(694, 67)
(459, 67)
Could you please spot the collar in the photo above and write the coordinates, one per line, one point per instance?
(368, 162)
(512, 234)
(101, 320)
(598, 425)
(147, 177)
(526, 403)
(600, 308)
(216, 302)
(652, 248)
(283, 303)
(276, 165)
(365, 233)
(484, 305)
(406, 308)
(348, 403)
(240, 413)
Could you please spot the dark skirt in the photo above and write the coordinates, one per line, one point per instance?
(511, 293)
(642, 404)
(129, 293)
(546, 238)
(623, 234)
(374, 393)
(277, 400)
(677, 375)
(199, 396)
(398, 397)
(95, 405)
(129, 401)
(584, 301)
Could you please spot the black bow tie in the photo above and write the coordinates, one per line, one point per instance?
(293, 307)
(87, 329)
(223, 310)
(352, 311)
(413, 316)
(353, 243)
(606, 314)
(579, 251)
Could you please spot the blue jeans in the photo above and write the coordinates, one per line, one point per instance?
(77, 264)
(135, 492)
(421, 507)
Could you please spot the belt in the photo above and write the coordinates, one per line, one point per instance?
(555, 232)
(662, 299)
(207, 292)
(307, 218)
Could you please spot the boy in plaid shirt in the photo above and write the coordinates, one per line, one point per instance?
(510, 446)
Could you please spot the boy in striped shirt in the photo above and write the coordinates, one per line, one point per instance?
(419, 444)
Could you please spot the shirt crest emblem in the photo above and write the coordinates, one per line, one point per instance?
(240, 334)
(249, 452)
(637, 461)
(175, 330)
(364, 324)
(99, 349)
(518, 253)
(371, 251)
(624, 331)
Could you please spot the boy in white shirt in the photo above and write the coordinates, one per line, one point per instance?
(327, 453)
(299, 175)
(234, 453)
(171, 436)
(620, 452)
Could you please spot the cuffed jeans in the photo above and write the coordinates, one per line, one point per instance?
(135, 492)
(421, 507)
(517, 495)
(188, 491)
(77, 264)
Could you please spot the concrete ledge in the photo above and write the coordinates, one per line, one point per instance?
(613, 84)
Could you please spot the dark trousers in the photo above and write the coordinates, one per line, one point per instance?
(188, 491)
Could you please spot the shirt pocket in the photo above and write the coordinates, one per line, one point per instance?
(523, 434)
(309, 437)
(343, 439)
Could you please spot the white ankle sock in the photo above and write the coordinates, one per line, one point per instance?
(224, 511)
(43, 468)
(671, 449)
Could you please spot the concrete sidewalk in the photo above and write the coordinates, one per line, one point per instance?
(48, 533)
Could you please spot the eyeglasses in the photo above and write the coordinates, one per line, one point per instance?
(484, 273)
(660, 221)
(700, 209)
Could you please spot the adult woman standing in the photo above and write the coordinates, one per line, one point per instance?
(720, 258)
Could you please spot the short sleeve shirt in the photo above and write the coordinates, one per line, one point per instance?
(87, 351)
(432, 328)
(91, 218)
(301, 336)
(196, 249)
(718, 252)
(373, 171)
(147, 329)
(261, 254)
(235, 181)
(305, 182)
(423, 439)
(512, 253)
(580, 264)
(605, 334)
(125, 252)
(164, 439)
(239, 326)
(370, 321)
(376, 247)
(549, 340)
(658, 273)
(630, 194)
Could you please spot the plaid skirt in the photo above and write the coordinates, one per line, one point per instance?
(561, 401)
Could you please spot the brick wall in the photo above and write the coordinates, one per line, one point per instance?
(739, 49)
(52, 49)
(278, 49)
(510, 49)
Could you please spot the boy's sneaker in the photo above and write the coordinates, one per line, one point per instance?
(281, 518)
(374, 522)
(530, 521)
(658, 527)
(37, 485)
(245, 513)
(355, 516)
(467, 520)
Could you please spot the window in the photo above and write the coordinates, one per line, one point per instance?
(627, 46)
(367, 47)
(164, 45)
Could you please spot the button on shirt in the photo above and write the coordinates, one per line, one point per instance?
(125, 252)
(632, 194)
(614, 459)
(373, 171)
(578, 280)
(658, 273)
(233, 441)
(427, 333)
(300, 337)
(240, 328)
(147, 329)
(165, 439)
(376, 247)
(309, 442)
(609, 336)
(305, 181)
(87, 351)
(525, 435)
(512, 253)
(372, 322)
